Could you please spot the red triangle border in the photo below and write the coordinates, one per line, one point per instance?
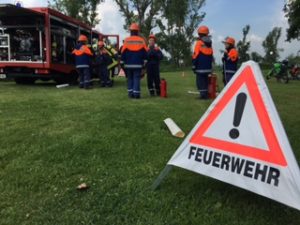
(275, 153)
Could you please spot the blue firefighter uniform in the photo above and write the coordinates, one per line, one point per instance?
(153, 77)
(102, 61)
(133, 60)
(83, 60)
(230, 60)
(202, 64)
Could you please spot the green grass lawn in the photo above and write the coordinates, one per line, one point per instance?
(54, 139)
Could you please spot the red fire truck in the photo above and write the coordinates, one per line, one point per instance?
(36, 43)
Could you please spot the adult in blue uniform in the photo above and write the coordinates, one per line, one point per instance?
(202, 61)
(133, 60)
(102, 61)
(83, 60)
(230, 59)
(154, 57)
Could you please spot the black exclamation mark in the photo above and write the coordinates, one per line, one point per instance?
(238, 113)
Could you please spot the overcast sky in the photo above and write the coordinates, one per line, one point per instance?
(223, 17)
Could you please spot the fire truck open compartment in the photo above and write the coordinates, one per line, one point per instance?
(21, 34)
(63, 40)
(37, 43)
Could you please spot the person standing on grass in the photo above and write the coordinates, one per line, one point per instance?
(83, 60)
(154, 57)
(133, 60)
(102, 61)
(202, 60)
(229, 59)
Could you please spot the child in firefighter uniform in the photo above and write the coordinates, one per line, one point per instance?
(83, 60)
(229, 59)
(202, 61)
(113, 66)
(133, 60)
(102, 61)
(154, 57)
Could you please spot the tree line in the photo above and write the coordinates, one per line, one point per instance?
(270, 46)
(175, 21)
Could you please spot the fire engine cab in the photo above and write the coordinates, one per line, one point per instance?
(36, 43)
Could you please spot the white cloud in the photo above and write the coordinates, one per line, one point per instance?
(218, 46)
(288, 47)
(27, 3)
(6, 2)
(256, 43)
(220, 38)
(254, 38)
(111, 19)
(34, 3)
(211, 31)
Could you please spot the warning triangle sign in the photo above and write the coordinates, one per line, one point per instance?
(241, 94)
(240, 140)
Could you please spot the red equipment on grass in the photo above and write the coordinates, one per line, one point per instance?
(295, 72)
(163, 88)
(212, 86)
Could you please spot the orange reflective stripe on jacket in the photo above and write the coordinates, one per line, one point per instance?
(233, 55)
(134, 43)
(83, 50)
(201, 48)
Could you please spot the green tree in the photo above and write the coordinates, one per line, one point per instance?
(143, 12)
(293, 59)
(84, 10)
(292, 12)
(180, 20)
(270, 45)
(176, 20)
(243, 46)
(255, 56)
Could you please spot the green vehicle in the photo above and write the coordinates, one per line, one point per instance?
(280, 72)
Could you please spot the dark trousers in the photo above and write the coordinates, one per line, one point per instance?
(84, 77)
(227, 77)
(104, 77)
(133, 82)
(153, 79)
(202, 84)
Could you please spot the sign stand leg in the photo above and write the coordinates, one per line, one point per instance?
(161, 176)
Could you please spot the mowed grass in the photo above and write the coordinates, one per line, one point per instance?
(54, 139)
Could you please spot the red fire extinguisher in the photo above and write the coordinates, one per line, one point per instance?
(163, 88)
(212, 86)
